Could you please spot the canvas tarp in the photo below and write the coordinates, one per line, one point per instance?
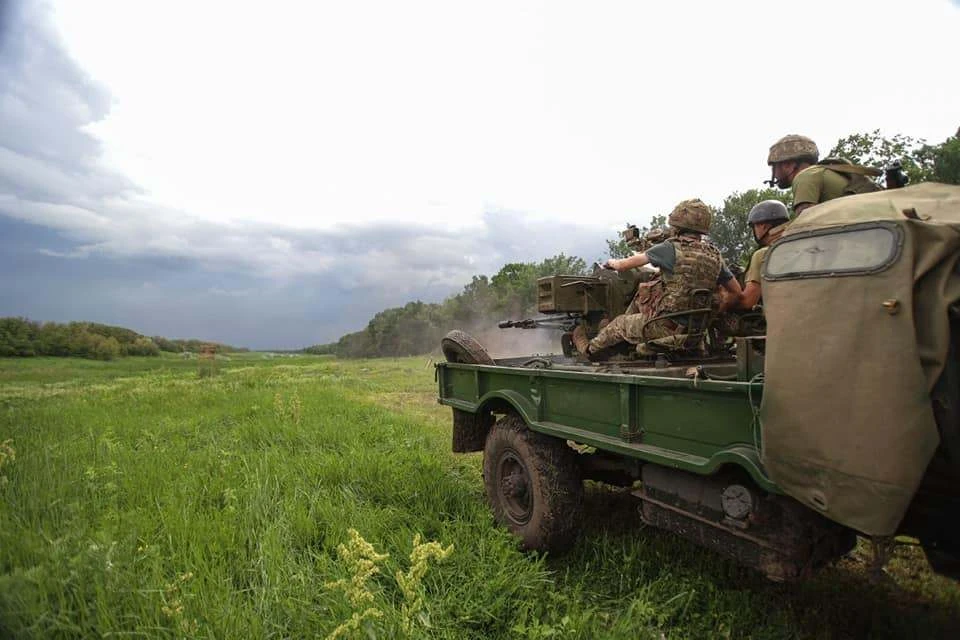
(847, 423)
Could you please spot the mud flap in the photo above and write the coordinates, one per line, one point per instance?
(470, 430)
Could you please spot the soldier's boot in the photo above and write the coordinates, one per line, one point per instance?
(580, 340)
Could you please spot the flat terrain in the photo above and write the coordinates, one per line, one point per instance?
(139, 498)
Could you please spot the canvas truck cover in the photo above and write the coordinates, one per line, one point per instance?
(856, 295)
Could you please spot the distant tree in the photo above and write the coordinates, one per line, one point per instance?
(874, 150)
(22, 337)
(18, 337)
(561, 264)
(54, 339)
(946, 160)
(515, 286)
(322, 349)
(921, 161)
(475, 301)
(141, 346)
(167, 345)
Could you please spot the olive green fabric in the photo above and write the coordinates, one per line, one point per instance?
(847, 423)
(756, 261)
(818, 184)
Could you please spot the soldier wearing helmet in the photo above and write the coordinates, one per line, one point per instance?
(767, 220)
(686, 263)
(793, 163)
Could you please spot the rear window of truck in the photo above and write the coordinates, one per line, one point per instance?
(850, 250)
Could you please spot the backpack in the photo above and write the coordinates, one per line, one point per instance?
(856, 175)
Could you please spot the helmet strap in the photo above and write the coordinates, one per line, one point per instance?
(761, 238)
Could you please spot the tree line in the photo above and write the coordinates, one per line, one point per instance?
(21, 337)
(417, 327)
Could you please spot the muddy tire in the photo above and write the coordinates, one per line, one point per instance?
(533, 485)
(458, 346)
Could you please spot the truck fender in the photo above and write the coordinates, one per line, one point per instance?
(508, 401)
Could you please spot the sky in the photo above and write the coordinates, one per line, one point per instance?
(272, 175)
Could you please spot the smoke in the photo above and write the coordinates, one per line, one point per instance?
(507, 343)
(511, 343)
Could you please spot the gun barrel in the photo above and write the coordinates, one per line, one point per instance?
(564, 323)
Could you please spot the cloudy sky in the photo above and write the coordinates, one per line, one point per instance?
(273, 174)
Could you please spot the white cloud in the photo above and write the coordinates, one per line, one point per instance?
(59, 216)
(323, 113)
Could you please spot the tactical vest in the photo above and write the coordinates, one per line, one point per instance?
(856, 175)
(697, 267)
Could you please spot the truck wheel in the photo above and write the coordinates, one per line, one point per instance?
(533, 484)
(458, 346)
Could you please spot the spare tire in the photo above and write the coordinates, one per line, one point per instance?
(458, 346)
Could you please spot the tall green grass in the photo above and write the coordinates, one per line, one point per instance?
(147, 501)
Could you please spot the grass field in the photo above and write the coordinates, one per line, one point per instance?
(139, 499)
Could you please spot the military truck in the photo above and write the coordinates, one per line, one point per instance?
(843, 420)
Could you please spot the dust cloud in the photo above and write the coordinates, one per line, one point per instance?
(506, 343)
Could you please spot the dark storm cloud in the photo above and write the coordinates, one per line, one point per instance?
(78, 241)
(45, 100)
(277, 299)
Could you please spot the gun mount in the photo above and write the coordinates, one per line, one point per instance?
(568, 300)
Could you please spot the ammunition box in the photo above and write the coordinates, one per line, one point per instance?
(572, 294)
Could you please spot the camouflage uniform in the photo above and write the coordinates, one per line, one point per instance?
(697, 266)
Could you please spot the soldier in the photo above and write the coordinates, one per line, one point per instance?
(795, 162)
(686, 263)
(767, 220)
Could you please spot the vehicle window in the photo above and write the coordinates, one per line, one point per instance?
(845, 252)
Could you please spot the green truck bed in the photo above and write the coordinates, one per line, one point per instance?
(658, 415)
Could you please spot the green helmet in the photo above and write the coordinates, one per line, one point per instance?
(693, 215)
(768, 211)
(793, 147)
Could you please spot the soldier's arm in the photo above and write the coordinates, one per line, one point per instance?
(731, 290)
(631, 262)
(732, 287)
(751, 290)
(750, 296)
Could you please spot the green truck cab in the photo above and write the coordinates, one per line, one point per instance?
(776, 449)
